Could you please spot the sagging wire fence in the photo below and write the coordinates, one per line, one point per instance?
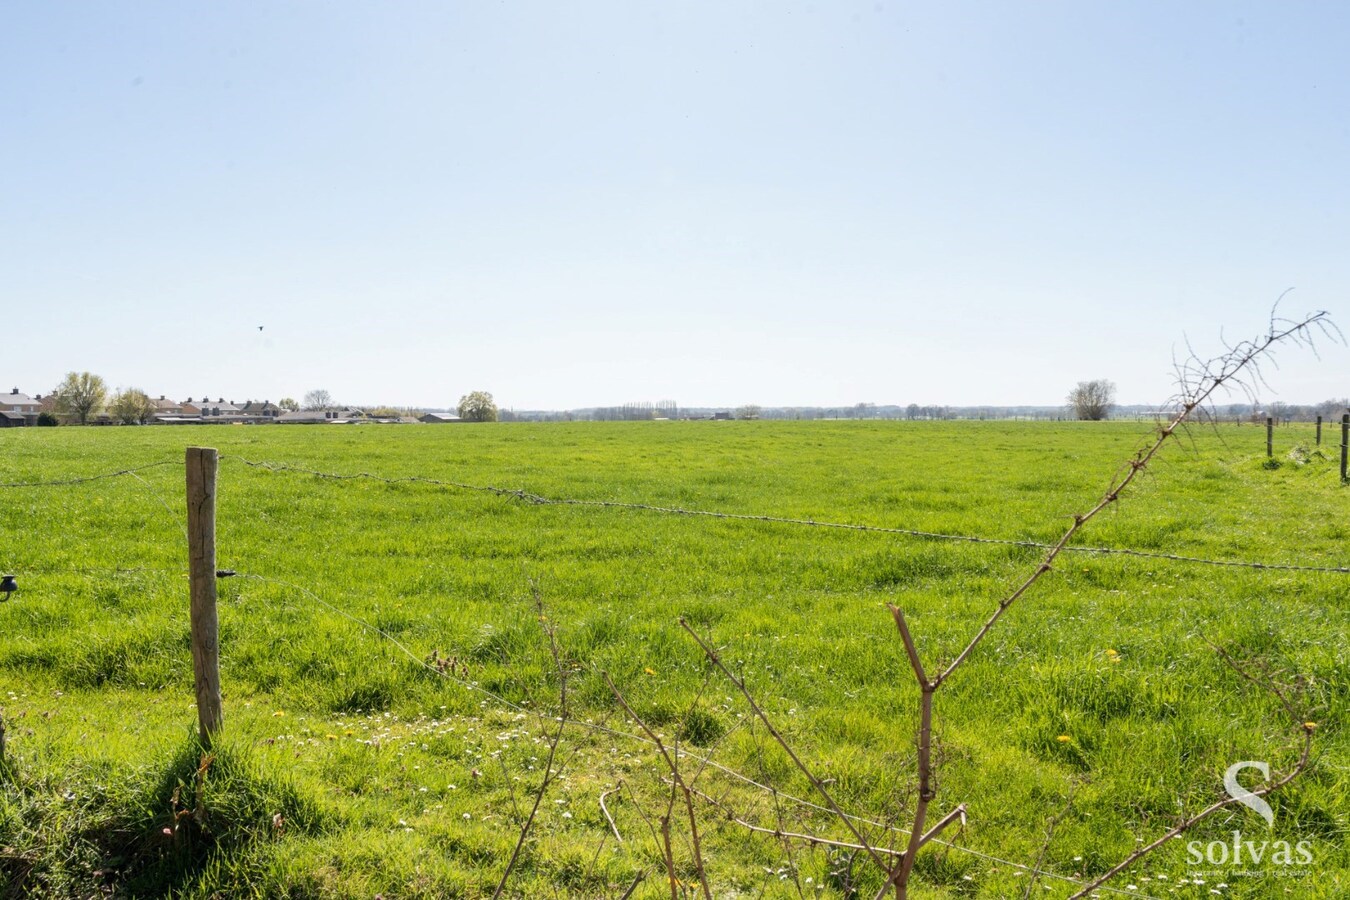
(536, 499)
(601, 729)
(504, 703)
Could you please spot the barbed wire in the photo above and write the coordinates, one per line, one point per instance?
(541, 500)
(83, 479)
(98, 571)
(607, 731)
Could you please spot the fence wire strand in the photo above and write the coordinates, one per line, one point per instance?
(541, 500)
(84, 479)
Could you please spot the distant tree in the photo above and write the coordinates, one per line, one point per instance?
(289, 404)
(1092, 400)
(131, 407)
(749, 411)
(1333, 408)
(79, 395)
(318, 399)
(477, 407)
(47, 420)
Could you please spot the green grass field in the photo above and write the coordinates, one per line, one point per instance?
(348, 769)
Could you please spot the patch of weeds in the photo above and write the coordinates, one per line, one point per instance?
(203, 805)
(701, 727)
(377, 695)
(152, 838)
(1301, 454)
(124, 658)
(502, 645)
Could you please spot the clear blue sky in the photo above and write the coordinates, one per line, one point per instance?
(571, 204)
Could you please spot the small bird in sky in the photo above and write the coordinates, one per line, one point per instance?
(260, 328)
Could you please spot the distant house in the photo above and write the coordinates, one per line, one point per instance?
(439, 418)
(345, 416)
(169, 412)
(212, 412)
(265, 411)
(22, 405)
(167, 407)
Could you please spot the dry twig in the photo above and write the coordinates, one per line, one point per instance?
(550, 772)
(1305, 729)
(677, 782)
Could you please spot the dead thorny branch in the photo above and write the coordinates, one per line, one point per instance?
(715, 658)
(812, 840)
(1202, 380)
(1051, 824)
(1198, 380)
(605, 809)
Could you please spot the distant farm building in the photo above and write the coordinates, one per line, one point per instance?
(344, 416)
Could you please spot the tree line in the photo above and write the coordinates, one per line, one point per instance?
(81, 396)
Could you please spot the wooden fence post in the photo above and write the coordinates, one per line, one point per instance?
(201, 512)
(1270, 437)
(1319, 431)
(1345, 442)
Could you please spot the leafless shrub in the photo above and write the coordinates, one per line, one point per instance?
(1198, 379)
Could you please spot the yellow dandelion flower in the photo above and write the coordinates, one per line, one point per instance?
(280, 712)
(349, 732)
(1112, 652)
(1310, 725)
(1063, 738)
(649, 670)
(331, 737)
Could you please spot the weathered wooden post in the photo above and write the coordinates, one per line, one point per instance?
(201, 513)
(1319, 431)
(1270, 436)
(1345, 442)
